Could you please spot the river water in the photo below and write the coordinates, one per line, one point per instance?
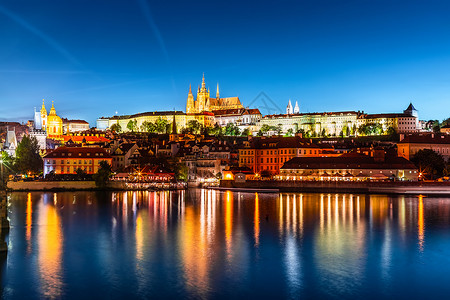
(216, 244)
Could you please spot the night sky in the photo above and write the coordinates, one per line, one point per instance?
(94, 58)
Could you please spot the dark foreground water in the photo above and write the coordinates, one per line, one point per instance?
(208, 244)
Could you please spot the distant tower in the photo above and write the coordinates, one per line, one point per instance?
(174, 124)
(43, 116)
(37, 119)
(296, 108)
(289, 109)
(217, 93)
(411, 111)
(190, 105)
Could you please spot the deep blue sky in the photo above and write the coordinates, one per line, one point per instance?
(94, 58)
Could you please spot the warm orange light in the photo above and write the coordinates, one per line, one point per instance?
(256, 220)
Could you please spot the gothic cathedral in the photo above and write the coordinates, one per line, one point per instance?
(205, 103)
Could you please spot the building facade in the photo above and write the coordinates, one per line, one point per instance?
(410, 144)
(66, 160)
(269, 154)
(349, 167)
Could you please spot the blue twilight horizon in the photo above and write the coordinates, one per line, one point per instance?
(96, 58)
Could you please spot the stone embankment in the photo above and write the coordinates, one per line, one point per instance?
(414, 188)
(60, 185)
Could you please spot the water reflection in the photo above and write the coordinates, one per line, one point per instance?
(50, 240)
(206, 244)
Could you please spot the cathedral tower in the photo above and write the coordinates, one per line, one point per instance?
(43, 116)
(190, 105)
(296, 108)
(289, 109)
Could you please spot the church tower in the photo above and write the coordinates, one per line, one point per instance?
(190, 106)
(202, 97)
(289, 109)
(43, 116)
(296, 108)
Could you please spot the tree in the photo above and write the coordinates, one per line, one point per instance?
(80, 173)
(232, 129)
(161, 125)
(116, 128)
(132, 125)
(181, 171)
(432, 163)
(102, 176)
(148, 127)
(290, 132)
(193, 126)
(392, 132)
(278, 129)
(28, 159)
(446, 122)
(245, 132)
(5, 165)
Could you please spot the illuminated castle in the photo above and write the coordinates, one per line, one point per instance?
(205, 103)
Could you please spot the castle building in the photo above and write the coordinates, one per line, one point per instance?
(337, 123)
(204, 102)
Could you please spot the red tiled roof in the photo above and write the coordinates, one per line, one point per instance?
(88, 139)
(426, 139)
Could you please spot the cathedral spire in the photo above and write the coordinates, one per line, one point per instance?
(203, 82)
(217, 93)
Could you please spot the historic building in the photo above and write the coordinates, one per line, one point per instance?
(204, 102)
(410, 144)
(52, 124)
(181, 120)
(66, 160)
(339, 123)
(269, 154)
(72, 126)
(349, 167)
(239, 116)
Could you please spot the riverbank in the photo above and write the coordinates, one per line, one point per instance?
(78, 186)
(399, 188)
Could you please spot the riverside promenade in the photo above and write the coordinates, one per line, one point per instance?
(370, 187)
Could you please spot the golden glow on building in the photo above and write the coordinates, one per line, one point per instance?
(206, 103)
(54, 125)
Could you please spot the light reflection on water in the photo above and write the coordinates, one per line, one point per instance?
(210, 244)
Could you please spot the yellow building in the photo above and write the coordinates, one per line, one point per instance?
(205, 103)
(54, 125)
